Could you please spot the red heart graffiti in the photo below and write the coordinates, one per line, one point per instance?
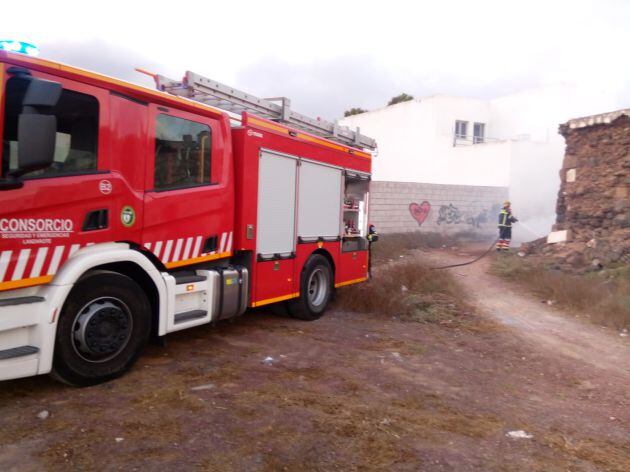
(420, 212)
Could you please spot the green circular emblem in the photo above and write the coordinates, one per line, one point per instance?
(128, 216)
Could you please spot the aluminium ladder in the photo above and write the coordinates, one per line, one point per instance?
(218, 95)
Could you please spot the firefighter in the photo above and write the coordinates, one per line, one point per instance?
(372, 237)
(506, 218)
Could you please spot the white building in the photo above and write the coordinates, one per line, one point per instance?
(510, 141)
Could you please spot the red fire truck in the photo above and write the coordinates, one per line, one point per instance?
(129, 213)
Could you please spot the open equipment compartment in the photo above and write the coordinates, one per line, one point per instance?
(355, 211)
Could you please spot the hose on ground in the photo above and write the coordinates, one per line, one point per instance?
(469, 262)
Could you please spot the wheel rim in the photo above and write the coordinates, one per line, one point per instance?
(102, 329)
(317, 287)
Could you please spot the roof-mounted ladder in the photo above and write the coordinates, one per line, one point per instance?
(218, 95)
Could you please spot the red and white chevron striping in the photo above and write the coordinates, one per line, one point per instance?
(44, 262)
(182, 249)
(18, 265)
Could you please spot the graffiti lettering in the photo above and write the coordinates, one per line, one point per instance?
(452, 215)
(449, 214)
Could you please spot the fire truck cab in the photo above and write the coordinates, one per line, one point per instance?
(128, 213)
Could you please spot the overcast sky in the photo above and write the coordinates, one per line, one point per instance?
(328, 56)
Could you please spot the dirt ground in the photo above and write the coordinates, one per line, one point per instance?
(348, 392)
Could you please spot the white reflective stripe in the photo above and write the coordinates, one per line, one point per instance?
(178, 249)
(195, 252)
(147, 246)
(5, 257)
(56, 259)
(74, 248)
(21, 264)
(187, 248)
(222, 245)
(229, 243)
(157, 249)
(167, 251)
(39, 261)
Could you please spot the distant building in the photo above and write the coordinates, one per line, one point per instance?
(508, 143)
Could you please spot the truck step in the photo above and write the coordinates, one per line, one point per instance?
(188, 279)
(20, 351)
(20, 300)
(189, 315)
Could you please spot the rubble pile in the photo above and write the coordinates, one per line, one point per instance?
(593, 207)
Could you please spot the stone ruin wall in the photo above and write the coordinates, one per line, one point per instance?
(594, 198)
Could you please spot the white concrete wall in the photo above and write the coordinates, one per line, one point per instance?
(406, 139)
(415, 143)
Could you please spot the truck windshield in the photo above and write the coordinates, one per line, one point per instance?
(77, 132)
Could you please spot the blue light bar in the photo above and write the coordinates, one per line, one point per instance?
(19, 46)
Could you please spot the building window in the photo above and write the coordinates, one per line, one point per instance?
(461, 129)
(479, 133)
(77, 132)
(182, 153)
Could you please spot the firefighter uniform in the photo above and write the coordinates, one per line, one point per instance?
(372, 237)
(505, 227)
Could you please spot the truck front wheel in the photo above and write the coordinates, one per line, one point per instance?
(316, 288)
(103, 327)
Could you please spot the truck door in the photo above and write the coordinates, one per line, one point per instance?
(188, 212)
(66, 206)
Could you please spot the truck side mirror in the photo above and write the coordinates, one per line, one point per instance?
(36, 142)
(41, 94)
(36, 129)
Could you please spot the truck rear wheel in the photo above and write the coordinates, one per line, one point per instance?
(103, 327)
(316, 289)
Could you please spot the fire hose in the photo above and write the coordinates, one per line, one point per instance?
(469, 262)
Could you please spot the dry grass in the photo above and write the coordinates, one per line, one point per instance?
(408, 290)
(609, 455)
(391, 246)
(603, 297)
(373, 433)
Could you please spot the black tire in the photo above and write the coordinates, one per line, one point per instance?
(103, 326)
(316, 289)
